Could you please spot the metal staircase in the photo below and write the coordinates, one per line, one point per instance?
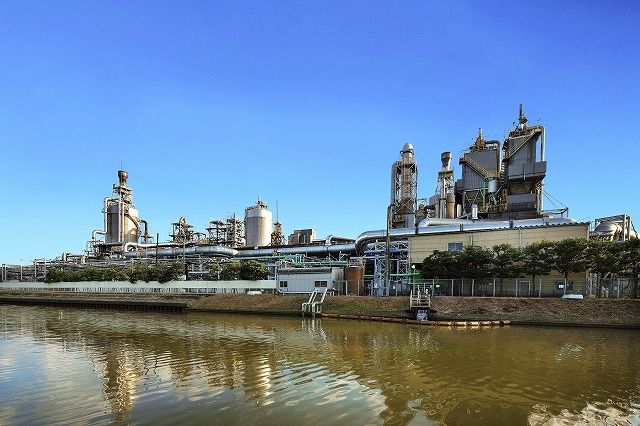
(420, 297)
(515, 148)
(313, 306)
(478, 168)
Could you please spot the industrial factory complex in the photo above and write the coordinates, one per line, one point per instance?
(497, 197)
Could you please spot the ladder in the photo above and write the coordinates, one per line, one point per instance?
(420, 297)
(314, 304)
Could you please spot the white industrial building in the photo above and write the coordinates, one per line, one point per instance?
(306, 280)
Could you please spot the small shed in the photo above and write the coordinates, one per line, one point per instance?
(306, 280)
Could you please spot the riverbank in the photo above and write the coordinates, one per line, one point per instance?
(534, 311)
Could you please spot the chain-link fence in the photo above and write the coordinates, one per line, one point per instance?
(527, 287)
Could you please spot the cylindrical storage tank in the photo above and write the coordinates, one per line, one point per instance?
(258, 225)
(608, 229)
(451, 205)
(354, 279)
(493, 186)
(474, 211)
(131, 226)
(128, 221)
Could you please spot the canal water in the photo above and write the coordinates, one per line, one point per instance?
(73, 366)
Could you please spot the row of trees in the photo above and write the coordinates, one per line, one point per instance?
(244, 270)
(162, 272)
(539, 259)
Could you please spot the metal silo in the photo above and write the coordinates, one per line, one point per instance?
(122, 221)
(258, 225)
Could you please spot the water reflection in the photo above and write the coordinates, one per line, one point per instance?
(108, 366)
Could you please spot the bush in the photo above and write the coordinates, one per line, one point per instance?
(163, 272)
(253, 270)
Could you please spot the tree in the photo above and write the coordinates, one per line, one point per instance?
(504, 263)
(441, 265)
(569, 256)
(602, 257)
(475, 262)
(114, 274)
(630, 263)
(165, 272)
(253, 270)
(214, 272)
(54, 275)
(537, 259)
(230, 271)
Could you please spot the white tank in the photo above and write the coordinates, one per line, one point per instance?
(129, 222)
(493, 186)
(608, 230)
(474, 211)
(258, 225)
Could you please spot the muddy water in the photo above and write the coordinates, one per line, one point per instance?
(74, 366)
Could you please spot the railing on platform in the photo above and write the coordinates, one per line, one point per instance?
(313, 306)
(420, 298)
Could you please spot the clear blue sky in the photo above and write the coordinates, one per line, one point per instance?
(208, 104)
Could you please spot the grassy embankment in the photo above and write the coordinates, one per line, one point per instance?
(541, 311)
(353, 305)
(547, 310)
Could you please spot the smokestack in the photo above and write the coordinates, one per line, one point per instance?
(122, 177)
(445, 157)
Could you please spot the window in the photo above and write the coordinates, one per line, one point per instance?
(454, 247)
(284, 284)
(320, 283)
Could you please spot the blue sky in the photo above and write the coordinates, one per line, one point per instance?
(208, 104)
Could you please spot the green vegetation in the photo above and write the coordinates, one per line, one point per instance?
(163, 272)
(244, 270)
(602, 258)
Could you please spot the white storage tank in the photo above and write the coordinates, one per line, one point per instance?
(258, 225)
(123, 227)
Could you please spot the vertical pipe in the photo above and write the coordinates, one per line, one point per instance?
(473, 281)
(542, 144)
(494, 287)
(452, 286)
(388, 248)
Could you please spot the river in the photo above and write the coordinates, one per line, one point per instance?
(74, 366)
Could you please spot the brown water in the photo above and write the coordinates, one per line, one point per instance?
(73, 366)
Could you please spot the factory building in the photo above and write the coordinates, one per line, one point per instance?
(498, 198)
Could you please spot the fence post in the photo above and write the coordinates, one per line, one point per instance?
(473, 281)
(590, 286)
(618, 287)
(494, 287)
(517, 286)
(540, 287)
